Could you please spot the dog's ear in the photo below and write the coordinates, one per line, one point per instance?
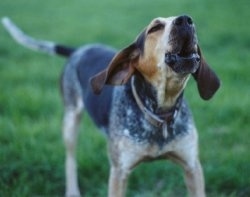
(207, 81)
(120, 69)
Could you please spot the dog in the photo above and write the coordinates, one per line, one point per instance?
(135, 96)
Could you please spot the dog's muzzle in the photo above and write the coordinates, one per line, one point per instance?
(183, 65)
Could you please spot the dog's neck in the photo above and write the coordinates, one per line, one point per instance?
(145, 97)
(146, 92)
(149, 95)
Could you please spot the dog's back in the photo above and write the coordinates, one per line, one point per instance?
(84, 63)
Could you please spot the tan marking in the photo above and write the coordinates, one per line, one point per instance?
(152, 66)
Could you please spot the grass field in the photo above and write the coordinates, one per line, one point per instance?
(31, 147)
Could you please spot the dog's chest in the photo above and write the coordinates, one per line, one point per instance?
(127, 120)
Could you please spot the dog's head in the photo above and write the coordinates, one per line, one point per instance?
(165, 53)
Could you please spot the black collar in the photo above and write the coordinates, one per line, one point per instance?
(164, 120)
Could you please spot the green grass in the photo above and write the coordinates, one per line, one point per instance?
(31, 147)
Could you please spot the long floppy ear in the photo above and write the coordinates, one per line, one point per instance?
(207, 81)
(118, 71)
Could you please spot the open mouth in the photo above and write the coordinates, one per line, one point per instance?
(183, 64)
(183, 57)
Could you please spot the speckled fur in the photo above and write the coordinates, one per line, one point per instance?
(131, 137)
(128, 120)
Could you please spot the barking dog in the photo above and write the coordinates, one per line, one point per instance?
(135, 96)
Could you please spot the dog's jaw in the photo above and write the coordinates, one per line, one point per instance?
(182, 55)
(181, 64)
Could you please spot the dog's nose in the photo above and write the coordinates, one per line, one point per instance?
(183, 21)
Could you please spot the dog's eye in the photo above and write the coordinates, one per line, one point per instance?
(155, 28)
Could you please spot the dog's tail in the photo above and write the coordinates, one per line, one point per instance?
(34, 44)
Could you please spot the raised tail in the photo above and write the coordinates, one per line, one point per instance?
(34, 44)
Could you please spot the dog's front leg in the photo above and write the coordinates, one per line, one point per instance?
(124, 156)
(194, 180)
(117, 182)
(186, 154)
(193, 175)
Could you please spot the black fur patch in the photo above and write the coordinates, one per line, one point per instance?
(63, 50)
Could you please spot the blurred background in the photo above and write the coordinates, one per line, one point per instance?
(31, 147)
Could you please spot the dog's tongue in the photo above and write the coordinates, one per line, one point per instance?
(179, 64)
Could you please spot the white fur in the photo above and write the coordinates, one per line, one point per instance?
(27, 41)
(71, 121)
